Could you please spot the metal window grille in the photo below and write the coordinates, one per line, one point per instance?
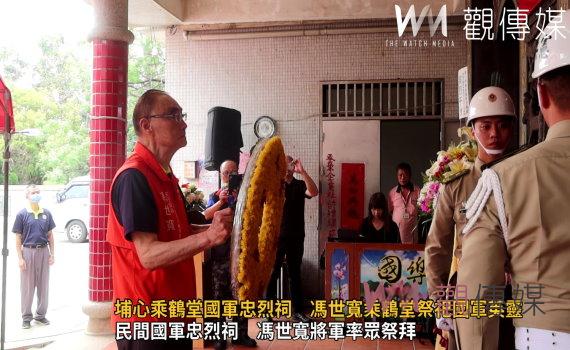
(423, 98)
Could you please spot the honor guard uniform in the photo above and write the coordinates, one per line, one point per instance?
(443, 244)
(519, 222)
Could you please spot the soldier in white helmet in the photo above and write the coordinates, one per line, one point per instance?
(519, 220)
(492, 118)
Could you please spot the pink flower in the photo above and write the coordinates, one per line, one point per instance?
(339, 271)
(434, 187)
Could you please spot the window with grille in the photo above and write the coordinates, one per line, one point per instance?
(422, 98)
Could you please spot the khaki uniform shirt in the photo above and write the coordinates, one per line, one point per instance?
(448, 221)
(536, 247)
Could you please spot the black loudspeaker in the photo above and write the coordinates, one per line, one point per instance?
(223, 137)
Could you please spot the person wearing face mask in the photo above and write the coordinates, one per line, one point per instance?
(34, 244)
(520, 222)
(292, 237)
(492, 118)
(378, 226)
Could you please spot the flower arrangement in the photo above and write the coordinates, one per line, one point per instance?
(428, 194)
(261, 220)
(194, 196)
(449, 165)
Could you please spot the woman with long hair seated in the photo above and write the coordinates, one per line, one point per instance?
(378, 226)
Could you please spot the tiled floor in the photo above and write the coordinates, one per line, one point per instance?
(360, 344)
(346, 344)
(342, 345)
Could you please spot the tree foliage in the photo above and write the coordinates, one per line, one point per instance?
(61, 74)
(12, 65)
(146, 71)
(58, 104)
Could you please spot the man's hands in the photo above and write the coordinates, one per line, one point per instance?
(312, 189)
(223, 199)
(23, 266)
(298, 167)
(221, 226)
(224, 195)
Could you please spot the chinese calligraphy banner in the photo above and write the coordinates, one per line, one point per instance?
(375, 272)
(392, 274)
(352, 195)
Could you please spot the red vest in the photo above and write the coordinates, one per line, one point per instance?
(130, 279)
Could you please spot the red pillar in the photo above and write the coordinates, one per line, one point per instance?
(107, 134)
(107, 153)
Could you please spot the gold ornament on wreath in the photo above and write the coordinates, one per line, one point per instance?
(257, 220)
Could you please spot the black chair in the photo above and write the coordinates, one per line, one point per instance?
(347, 235)
(423, 229)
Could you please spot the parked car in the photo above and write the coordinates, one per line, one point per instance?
(71, 213)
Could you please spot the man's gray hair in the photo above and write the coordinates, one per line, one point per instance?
(30, 187)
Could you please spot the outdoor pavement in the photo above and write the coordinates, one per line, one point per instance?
(68, 292)
(65, 331)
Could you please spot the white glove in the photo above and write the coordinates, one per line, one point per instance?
(444, 324)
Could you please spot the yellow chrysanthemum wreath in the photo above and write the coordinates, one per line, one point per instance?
(258, 220)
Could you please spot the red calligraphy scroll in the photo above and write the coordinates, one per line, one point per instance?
(331, 196)
(351, 195)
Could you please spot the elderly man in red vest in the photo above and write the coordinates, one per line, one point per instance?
(151, 240)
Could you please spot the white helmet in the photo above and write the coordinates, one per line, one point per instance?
(553, 50)
(490, 101)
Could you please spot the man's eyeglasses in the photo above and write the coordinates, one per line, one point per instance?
(176, 117)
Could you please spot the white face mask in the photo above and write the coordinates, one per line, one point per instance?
(35, 198)
(489, 151)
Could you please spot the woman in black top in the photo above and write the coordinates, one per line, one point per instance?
(378, 227)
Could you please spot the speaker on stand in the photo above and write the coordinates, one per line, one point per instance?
(223, 142)
(223, 137)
